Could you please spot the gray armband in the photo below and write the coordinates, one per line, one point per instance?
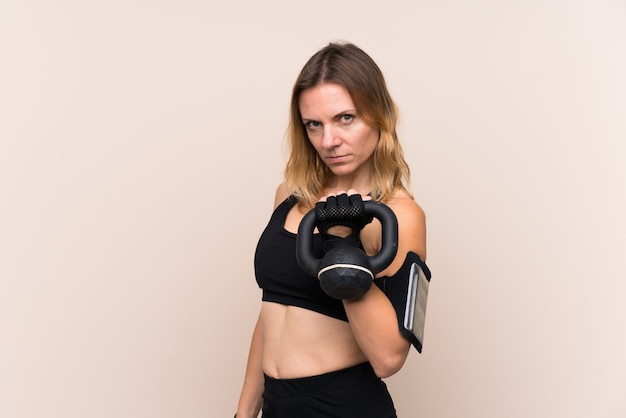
(408, 292)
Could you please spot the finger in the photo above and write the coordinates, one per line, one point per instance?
(325, 198)
(355, 199)
(331, 200)
(342, 200)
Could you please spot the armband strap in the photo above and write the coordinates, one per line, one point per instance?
(408, 292)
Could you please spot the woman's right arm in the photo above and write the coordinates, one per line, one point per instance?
(250, 401)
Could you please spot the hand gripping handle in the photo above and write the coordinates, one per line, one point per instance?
(378, 262)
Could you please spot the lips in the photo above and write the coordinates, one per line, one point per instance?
(337, 159)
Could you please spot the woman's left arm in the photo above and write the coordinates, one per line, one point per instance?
(372, 317)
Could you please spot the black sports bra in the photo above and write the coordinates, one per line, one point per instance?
(279, 274)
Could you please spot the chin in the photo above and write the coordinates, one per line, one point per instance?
(341, 171)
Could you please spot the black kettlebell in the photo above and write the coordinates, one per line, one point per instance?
(346, 272)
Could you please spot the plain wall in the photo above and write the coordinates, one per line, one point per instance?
(141, 143)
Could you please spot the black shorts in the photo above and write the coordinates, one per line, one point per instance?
(352, 392)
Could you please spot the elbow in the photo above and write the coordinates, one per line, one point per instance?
(388, 365)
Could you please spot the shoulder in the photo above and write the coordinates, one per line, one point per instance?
(406, 209)
(411, 224)
(411, 231)
(281, 194)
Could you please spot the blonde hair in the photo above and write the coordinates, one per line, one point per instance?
(350, 67)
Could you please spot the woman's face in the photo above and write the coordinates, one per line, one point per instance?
(339, 135)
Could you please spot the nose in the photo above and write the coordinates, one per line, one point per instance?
(330, 136)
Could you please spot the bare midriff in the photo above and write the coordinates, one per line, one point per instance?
(299, 342)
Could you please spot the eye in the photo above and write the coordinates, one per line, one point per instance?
(312, 125)
(346, 118)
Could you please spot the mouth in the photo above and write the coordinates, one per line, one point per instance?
(338, 159)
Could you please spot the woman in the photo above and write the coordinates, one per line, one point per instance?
(312, 355)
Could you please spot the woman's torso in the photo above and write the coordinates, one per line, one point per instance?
(299, 342)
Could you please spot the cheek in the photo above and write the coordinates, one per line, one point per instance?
(371, 138)
(314, 143)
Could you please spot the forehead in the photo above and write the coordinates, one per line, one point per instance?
(327, 99)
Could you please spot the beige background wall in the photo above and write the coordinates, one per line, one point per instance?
(140, 146)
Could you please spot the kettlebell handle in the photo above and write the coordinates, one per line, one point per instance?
(378, 262)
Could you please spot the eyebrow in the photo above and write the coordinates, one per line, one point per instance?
(338, 115)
